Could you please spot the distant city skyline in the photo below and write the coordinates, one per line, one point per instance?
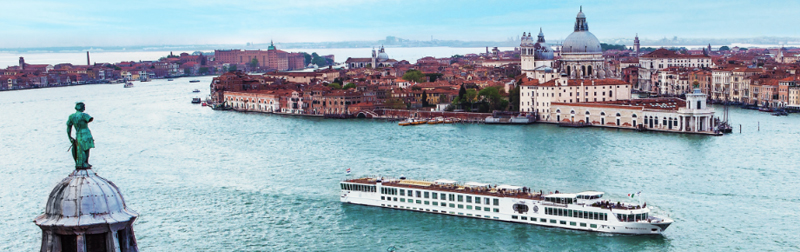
(102, 23)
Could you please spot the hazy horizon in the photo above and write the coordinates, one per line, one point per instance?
(44, 23)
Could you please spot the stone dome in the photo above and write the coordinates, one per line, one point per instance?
(383, 56)
(581, 42)
(87, 200)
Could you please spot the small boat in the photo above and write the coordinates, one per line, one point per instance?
(204, 104)
(196, 91)
(128, 85)
(766, 109)
(406, 122)
(421, 121)
(196, 100)
(780, 113)
(170, 79)
(448, 121)
(194, 81)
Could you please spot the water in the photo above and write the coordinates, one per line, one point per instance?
(411, 54)
(206, 180)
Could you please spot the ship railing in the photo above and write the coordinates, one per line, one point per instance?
(554, 204)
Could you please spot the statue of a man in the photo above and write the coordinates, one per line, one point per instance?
(83, 140)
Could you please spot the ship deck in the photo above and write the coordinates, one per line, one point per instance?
(524, 193)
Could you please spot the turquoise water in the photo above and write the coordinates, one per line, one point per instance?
(206, 180)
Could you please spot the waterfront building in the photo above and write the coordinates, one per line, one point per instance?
(536, 97)
(272, 58)
(255, 101)
(692, 115)
(86, 212)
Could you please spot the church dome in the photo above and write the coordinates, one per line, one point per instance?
(85, 199)
(542, 51)
(382, 55)
(581, 42)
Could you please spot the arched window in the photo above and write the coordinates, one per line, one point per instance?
(634, 116)
(572, 112)
(587, 112)
(618, 115)
(602, 113)
(558, 110)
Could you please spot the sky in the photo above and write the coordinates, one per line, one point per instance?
(44, 23)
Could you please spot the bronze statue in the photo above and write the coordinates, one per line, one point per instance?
(83, 140)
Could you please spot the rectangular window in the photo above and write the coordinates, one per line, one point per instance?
(460, 198)
(486, 201)
(486, 209)
(553, 221)
(572, 223)
(533, 219)
(496, 210)
(419, 202)
(435, 203)
(477, 208)
(477, 200)
(583, 224)
(418, 194)
(563, 222)
(496, 202)
(426, 195)
(593, 225)
(514, 217)
(452, 197)
(460, 206)
(383, 198)
(402, 200)
(452, 205)
(394, 198)
(434, 195)
(569, 213)
(469, 199)
(524, 218)
(402, 192)
(469, 207)
(543, 220)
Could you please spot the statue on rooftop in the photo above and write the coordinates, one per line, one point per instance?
(83, 140)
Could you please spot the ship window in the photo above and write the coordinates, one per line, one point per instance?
(427, 202)
(460, 206)
(383, 198)
(543, 220)
(443, 204)
(524, 218)
(435, 203)
(496, 210)
(583, 224)
(569, 213)
(572, 223)
(533, 219)
(434, 195)
(477, 208)
(514, 217)
(452, 197)
(496, 202)
(402, 200)
(418, 194)
(552, 221)
(452, 205)
(419, 202)
(469, 207)
(426, 195)
(593, 225)
(469, 199)
(402, 192)
(486, 201)
(477, 200)
(395, 198)
(460, 198)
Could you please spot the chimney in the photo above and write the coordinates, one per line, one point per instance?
(87, 58)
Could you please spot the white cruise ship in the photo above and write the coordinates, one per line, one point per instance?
(580, 211)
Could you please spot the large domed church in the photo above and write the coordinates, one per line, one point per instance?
(581, 56)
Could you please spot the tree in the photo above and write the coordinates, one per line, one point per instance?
(414, 75)
(604, 47)
(394, 102)
(203, 70)
(724, 48)
(306, 59)
(335, 85)
(442, 98)
(319, 61)
(433, 76)
(513, 98)
(232, 68)
(492, 95)
(349, 85)
(462, 91)
(254, 63)
(425, 99)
